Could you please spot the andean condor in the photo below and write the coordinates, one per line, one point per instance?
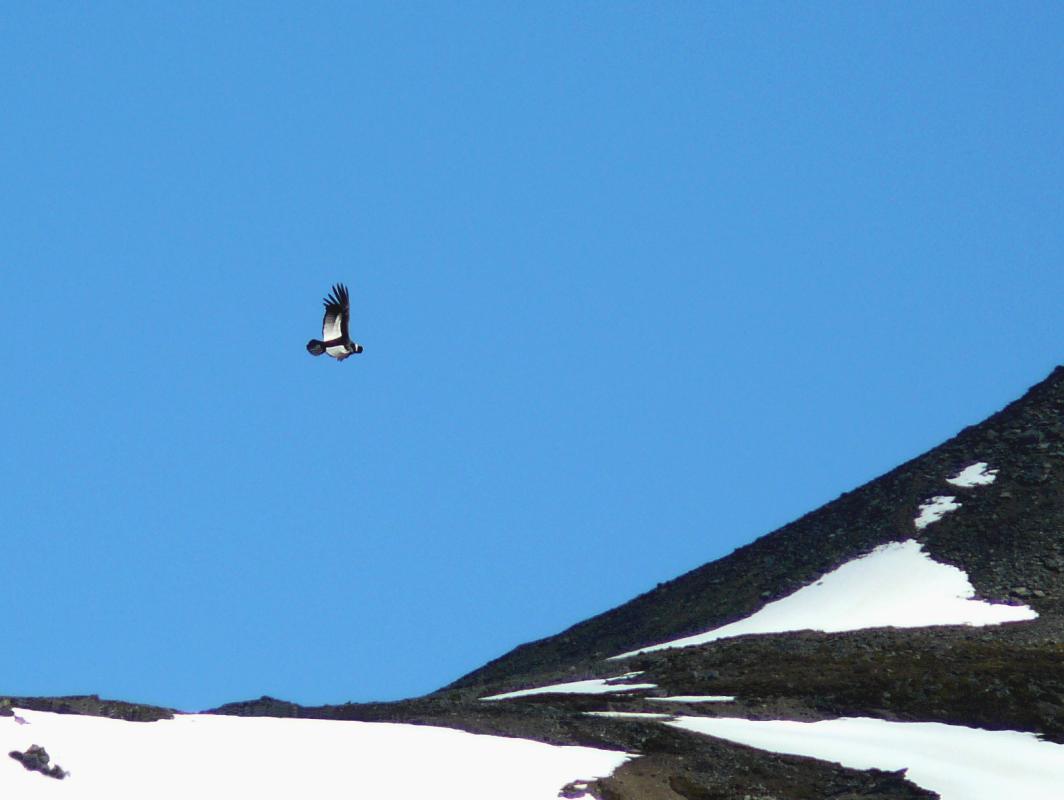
(335, 339)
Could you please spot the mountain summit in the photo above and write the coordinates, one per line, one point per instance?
(903, 641)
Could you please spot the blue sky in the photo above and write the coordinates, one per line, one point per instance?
(637, 283)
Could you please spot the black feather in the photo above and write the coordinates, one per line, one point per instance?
(338, 297)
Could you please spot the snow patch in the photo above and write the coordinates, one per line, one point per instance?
(934, 510)
(957, 762)
(896, 585)
(974, 475)
(593, 686)
(215, 756)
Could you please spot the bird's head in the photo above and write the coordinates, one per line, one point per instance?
(358, 348)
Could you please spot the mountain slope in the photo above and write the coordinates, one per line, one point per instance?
(1008, 536)
(830, 629)
(988, 503)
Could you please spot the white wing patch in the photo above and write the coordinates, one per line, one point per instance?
(331, 327)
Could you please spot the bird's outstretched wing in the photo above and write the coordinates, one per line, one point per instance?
(337, 315)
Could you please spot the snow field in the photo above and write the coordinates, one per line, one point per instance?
(959, 763)
(215, 756)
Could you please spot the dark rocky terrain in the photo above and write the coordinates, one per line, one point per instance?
(90, 705)
(36, 759)
(1007, 536)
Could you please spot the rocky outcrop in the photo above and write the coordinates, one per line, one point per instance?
(36, 759)
(89, 705)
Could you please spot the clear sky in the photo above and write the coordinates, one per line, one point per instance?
(637, 283)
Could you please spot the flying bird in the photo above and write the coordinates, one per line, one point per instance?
(335, 339)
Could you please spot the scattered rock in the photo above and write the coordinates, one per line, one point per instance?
(574, 790)
(36, 759)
